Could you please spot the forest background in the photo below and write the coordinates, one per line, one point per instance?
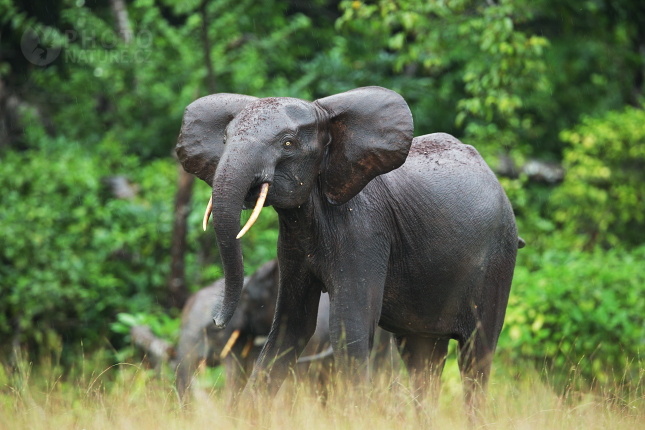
(98, 229)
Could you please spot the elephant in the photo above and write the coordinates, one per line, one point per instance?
(415, 235)
(238, 345)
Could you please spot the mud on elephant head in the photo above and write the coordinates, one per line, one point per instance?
(275, 150)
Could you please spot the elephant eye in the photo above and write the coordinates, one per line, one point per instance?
(287, 144)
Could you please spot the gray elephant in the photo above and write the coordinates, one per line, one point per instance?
(238, 346)
(414, 235)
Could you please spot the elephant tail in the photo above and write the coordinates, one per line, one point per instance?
(520, 243)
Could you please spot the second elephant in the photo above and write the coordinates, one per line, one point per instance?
(200, 340)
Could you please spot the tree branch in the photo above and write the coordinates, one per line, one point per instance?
(122, 21)
(207, 49)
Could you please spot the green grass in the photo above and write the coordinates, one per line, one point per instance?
(127, 396)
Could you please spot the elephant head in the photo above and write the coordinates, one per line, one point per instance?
(277, 151)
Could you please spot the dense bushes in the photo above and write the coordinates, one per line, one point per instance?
(578, 297)
(578, 310)
(602, 200)
(73, 255)
(506, 77)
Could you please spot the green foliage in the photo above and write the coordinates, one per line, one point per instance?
(603, 196)
(579, 312)
(162, 325)
(140, 90)
(544, 78)
(475, 54)
(73, 255)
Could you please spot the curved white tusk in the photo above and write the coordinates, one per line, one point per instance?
(258, 207)
(208, 212)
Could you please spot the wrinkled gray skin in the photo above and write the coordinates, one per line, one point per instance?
(416, 236)
(201, 340)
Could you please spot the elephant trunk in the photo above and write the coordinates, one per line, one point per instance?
(230, 186)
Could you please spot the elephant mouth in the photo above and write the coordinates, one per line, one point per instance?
(251, 198)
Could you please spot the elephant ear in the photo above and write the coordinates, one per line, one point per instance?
(371, 132)
(201, 140)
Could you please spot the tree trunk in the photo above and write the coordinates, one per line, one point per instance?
(122, 21)
(207, 50)
(178, 288)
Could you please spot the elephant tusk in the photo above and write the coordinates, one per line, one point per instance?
(229, 344)
(247, 348)
(207, 214)
(256, 212)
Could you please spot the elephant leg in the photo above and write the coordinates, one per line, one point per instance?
(353, 318)
(237, 373)
(475, 359)
(186, 367)
(192, 347)
(478, 340)
(424, 358)
(293, 325)
(384, 359)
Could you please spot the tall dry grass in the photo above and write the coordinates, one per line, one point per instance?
(127, 396)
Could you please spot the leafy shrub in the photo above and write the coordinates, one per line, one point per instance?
(161, 325)
(139, 91)
(578, 310)
(73, 255)
(602, 199)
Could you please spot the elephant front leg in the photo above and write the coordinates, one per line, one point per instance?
(237, 372)
(192, 348)
(293, 325)
(354, 313)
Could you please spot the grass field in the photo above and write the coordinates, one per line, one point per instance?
(127, 396)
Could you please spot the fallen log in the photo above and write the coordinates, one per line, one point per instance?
(548, 172)
(157, 351)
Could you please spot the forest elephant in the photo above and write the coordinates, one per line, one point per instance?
(414, 235)
(238, 345)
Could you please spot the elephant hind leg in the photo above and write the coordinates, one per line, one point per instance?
(424, 358)
(482, 323)
(475, 359)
